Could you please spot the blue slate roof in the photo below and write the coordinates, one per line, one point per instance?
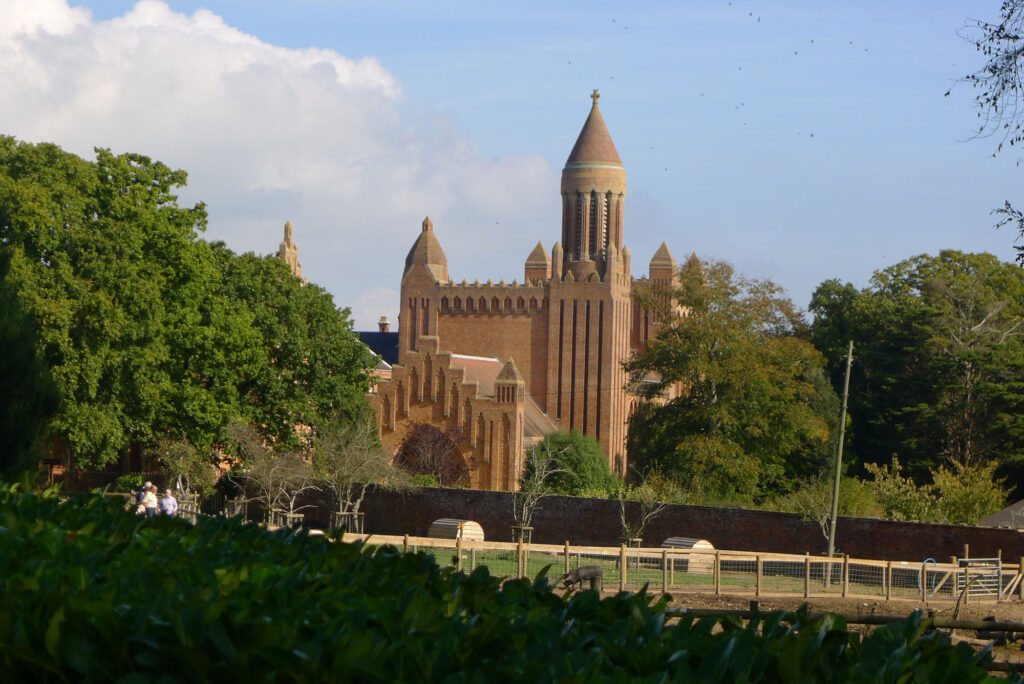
(384, 344)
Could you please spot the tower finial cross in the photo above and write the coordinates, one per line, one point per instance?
(595, 96)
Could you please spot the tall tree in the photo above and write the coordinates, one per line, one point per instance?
(939, 369)
(29, 396)
(149, 332)
(748, 420)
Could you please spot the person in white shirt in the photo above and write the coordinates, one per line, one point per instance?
(149, 500)
(168, 504)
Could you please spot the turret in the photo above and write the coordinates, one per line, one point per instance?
(557, 261)
(663, 267)
(593, 193)
(427, 252)
(288, 251)
(509, 386)
(538, 265)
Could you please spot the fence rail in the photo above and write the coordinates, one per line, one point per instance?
(730, 572)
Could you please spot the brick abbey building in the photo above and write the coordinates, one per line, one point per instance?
(506, 363)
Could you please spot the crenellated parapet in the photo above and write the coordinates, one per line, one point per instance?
(489, 297)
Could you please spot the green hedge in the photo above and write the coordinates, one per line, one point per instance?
(92, 593)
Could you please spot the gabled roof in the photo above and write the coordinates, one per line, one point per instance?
(484, 371)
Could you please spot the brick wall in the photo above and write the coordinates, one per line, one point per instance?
(596, 522)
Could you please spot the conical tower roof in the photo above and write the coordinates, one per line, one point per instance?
(427, 251)
(594, 144)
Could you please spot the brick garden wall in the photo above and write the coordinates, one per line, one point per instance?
(596, 522)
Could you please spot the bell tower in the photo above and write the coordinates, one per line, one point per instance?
(593, 193)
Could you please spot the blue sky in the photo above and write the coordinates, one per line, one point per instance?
(798, 141)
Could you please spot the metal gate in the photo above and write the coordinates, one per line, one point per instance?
(983, 577)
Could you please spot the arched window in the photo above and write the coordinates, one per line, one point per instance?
(520, 304)
(458, 303)
(533, 303)
(508, 304)
(444, 303)
(483, 303)
(494, 304)
(470, 304)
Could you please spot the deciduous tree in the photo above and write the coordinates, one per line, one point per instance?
(749, 417)
(580, 464)
(938, 374)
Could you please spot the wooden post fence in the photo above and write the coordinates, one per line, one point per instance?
(757, 564)
(846, 574)
(664, 571)
(622, 567)
(717, 573)
(807, 575)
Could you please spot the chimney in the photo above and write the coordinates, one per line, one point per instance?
(384, 324)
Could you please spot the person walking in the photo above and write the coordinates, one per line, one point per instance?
(150, 501)
(168, 504)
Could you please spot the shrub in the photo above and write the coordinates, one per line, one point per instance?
(129, 482)
(89, 592)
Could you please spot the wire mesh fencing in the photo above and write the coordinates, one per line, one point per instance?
(725, 572)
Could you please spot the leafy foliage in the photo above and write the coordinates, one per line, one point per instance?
(580, 464)
(938, 371)
(960, 495)
(29, 396)
(812, 498)
(150, 333)
(90, 592)
(749, 415)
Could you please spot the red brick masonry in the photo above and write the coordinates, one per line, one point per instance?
(596, 522)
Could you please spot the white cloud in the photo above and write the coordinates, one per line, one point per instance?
(269, 134)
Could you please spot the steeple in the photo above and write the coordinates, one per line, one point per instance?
(593, 193)
(288, 251)
(594, 144)
(426, 251)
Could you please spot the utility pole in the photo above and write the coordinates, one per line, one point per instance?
(839, 455)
